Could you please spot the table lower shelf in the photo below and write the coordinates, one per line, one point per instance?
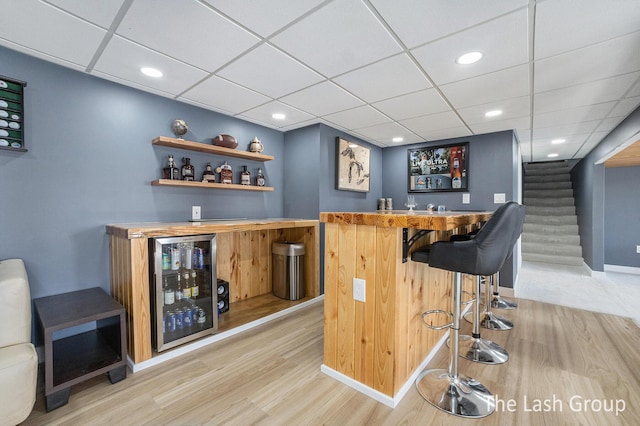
(79, 357)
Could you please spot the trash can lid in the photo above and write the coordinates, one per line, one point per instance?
(286, 248)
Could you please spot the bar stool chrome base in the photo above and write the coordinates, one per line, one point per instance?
(482, 350)
(491, 321)
(499, 303)
(461, 396)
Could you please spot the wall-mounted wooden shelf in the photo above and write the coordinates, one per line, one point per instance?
(195, 184)
(210, 149)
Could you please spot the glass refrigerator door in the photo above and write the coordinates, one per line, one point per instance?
(184, 273)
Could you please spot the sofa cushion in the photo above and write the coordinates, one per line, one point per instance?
(18, 379)
(15, 315)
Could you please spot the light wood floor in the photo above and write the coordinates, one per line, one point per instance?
(271, 376)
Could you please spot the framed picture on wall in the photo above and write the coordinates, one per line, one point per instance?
(439, 168)
(352, 166)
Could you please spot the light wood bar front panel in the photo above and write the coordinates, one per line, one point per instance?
(243, 259)
(382, 341)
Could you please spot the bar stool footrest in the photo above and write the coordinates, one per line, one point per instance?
(434, 312)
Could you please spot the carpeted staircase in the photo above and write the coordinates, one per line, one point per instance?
(550, 233)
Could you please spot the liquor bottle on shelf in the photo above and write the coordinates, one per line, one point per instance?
(171, 171)
(169, 294)
(245, 176)
(208, 175)
(226, 173)
(260, 178)
(186, 287)
(188, 171)
(195, 288)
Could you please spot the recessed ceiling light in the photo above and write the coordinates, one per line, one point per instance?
(469, 58)
(494, 113)
(397, 139)
(553, 155)
(151, 72)
(278, 116)
(557, 141)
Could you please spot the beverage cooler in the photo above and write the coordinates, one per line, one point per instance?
(183, 289)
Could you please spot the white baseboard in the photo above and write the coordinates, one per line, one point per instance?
(622, 269)
(181, 350)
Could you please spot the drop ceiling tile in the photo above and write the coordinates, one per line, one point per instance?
(208, 41)
(454, 132)
(264, 112)
(39, 27)
(407, 139)
(503, 42)
(99, 12)
(439, 121)
(595, 62)
(357, 118)
(129, 83)
(565, 130)
(595, 92)
(573, 115)
(420, 21)
(299, 125)
(385, 79)
(511, 108)
(322, 98)
(269, 71)
(123, 59)
(383, 132)
(500, 125)
(625, 107)
(416, 104)
(264, 16)
(524, 135)
(496, 86)
(608, 124)
(563, 25)
(591, 142)
(222, 94)
(635, 91)
(340, 37)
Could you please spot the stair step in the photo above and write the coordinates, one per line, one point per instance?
(546, 164)
(552, 249)
(551, 220)
(547, 171)
(548, 193)
(545, 229)
(549, 202)
(547, 185)
(560, 260)
(563, 177)
(530, 237)
(550, 210)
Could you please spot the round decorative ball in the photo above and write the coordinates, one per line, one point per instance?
(180, 128)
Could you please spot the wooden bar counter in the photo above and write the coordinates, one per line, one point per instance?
(243, 259)
(380, 343)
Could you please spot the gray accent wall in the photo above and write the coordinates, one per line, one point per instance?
(90, 163)
(621, 216)
(589, 190)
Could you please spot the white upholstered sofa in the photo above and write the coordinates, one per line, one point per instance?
(18, 359)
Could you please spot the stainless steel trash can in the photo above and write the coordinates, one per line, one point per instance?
(288, 270)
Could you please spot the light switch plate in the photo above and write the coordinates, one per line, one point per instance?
(637, 249)
(466, 198)
(195, 213)
(499, 198)
(359, 289)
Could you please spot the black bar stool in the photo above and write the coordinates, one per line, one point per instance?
(485, 254)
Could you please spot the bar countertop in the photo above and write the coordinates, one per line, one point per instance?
(418, 219)
(211, 226)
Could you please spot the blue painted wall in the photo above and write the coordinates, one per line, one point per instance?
(90, 163)
(621, 216)
(589, 191)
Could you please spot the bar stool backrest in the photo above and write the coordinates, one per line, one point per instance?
(486, 253)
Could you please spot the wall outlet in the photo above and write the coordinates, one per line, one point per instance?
(499, 198)
(466, 198)
(359, 289)
(195, 213)
(637, 249)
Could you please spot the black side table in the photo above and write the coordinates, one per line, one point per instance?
(77, 358)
